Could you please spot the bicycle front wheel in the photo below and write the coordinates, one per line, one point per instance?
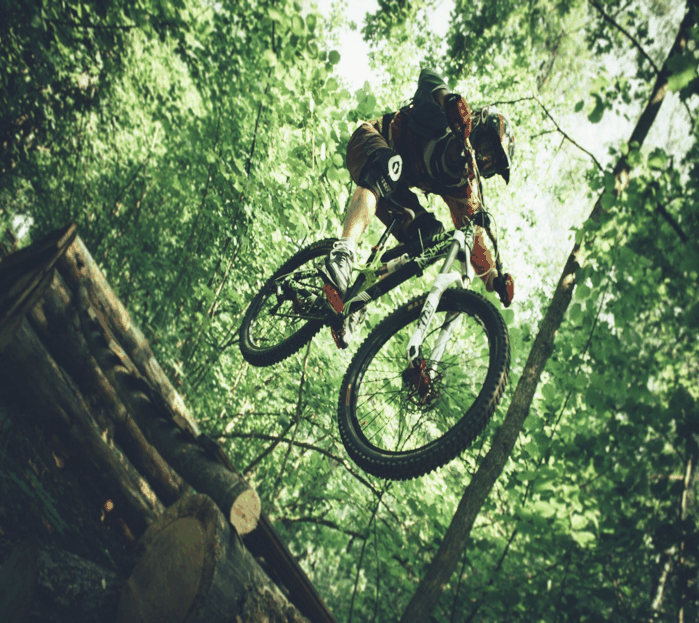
(289, 309)
(400, 422)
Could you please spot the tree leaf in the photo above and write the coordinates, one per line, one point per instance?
(598, 111)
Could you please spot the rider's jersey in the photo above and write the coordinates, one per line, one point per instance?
(413, 132)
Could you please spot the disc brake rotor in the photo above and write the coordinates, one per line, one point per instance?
(422, 385)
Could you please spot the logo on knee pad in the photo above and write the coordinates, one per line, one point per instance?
(395, 167)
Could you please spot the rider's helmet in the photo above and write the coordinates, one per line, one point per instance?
(494, 142)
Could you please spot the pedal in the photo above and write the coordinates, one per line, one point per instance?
(334, 298)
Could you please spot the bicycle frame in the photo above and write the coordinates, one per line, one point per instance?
(377, 278)
(374, 281)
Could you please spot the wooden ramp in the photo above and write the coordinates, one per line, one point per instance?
(68, 345)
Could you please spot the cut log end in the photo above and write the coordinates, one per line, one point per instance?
(245, 512)
(165, 582)
(192, 568)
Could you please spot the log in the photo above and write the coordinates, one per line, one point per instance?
(28, 370)
(39, 583)
(193, 568)
(55, 320)
(25, 275)
(78, 268)
(200, 466)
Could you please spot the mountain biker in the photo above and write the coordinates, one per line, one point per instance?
(436, 144)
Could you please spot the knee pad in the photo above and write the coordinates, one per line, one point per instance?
(382, 172)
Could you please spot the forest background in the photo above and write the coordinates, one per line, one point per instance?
(199, 144)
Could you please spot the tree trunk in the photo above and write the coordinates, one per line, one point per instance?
(444, 563)
(193, 568)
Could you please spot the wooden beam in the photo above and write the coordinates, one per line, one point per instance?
(29, 371)
(55, 320)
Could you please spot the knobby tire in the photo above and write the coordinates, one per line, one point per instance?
(268, 350)
(377, 411)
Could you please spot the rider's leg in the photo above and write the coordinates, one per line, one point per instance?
(360, 212)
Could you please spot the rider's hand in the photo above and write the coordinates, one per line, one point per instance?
(505, 287)
(459, 115)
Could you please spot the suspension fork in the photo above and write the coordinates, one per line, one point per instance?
(444, 279)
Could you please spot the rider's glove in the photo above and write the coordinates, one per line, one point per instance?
(459, 115)
(505, 287)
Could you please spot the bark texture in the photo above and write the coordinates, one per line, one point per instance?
(39, 583)
(192, 567)
(55, 320)
(27, 369)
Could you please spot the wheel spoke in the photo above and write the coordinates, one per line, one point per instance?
(288, 310)
(396, 415)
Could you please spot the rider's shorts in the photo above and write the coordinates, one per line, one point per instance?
(364, 142)
(361, 148)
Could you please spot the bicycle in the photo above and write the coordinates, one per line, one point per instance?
(427, 379)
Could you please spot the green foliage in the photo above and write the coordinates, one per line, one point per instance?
(197, 146)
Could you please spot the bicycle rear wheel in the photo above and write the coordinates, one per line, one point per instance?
(289, 309)
(399, 422)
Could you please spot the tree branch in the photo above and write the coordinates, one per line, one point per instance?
(662, 210)
(306, 446)
(319, 521)
(615, 24)
(566, 137)
(297, 421)
(636, 44)
(361, 557)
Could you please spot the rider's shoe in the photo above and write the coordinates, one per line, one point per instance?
(350, 327)
(338, 265)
